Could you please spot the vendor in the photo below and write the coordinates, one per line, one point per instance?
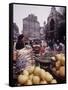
(24, 54)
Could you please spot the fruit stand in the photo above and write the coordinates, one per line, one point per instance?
(58, 67)
(35, 75)
(46, 69)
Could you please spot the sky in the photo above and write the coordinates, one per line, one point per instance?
(22, 11)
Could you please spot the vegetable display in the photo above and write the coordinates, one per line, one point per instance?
(35, 75)
(59, 66)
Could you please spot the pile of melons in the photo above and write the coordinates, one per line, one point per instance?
(59, 67)
(35, 75)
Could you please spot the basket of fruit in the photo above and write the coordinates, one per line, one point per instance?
(58, 66)
(35, 75)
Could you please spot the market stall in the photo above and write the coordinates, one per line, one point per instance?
(35, 68)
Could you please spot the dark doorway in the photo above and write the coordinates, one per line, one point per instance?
(52, 24)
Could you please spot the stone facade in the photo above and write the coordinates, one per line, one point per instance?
(31, 27)
(53, 23)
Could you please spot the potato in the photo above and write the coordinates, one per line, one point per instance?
(43, 82)
(63, 60)
(62, 71)
(54, 81)
(57, 64)
(48, 77)
(25, 72)
(31, 76)
(22, 79)
(53, 58)
(36, 80)
(31, 69)
(37, 71)
(43, 70)
(58, 57)
(29, 82)
(42, 74)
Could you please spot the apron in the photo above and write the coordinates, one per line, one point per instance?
(24, 59)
